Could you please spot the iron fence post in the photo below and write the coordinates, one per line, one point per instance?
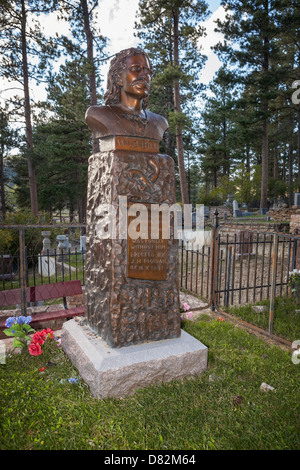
(228, 277)
(213, 260)
(273, 283)
(22, 270)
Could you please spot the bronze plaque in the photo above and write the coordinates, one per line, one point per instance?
(147, 258)
(137, 144)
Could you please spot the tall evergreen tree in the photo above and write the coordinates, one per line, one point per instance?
(87, 42)
(25, 51)
(254, 26)
(63, 143)
(8, 139)
(170, 31)
(219, 117)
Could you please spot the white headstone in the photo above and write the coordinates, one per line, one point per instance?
(235, 205)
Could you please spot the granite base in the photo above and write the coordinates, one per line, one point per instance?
(119, 372)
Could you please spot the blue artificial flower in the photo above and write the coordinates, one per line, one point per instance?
(21, 320)
(10, 321)
(72, 380)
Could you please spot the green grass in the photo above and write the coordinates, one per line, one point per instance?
(38, 412)
(286, 320)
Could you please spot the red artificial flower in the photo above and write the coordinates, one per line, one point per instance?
(48, 332)
(42, 369)
(39, 337)
(35, 349)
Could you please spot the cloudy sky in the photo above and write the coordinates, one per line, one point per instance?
(116, 20)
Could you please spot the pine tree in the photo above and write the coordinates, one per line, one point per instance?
(254, 27)
(87, 42)
(218, 127)
(25, 51)
(63, 142)
(170, 32)
(8, 139)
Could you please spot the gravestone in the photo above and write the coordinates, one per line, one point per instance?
(244, 242)
(82, 246)
(236, 211)
(132, 335)
(62, 242)
(297, 199)
(6, 268)
(229, 200)
(46, 264)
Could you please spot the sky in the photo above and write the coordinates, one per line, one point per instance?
(116, 21)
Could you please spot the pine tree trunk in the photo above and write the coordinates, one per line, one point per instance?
(291, 161)
(90, 57)
(177, 108)
(3, 201)
(265, 136)
(275, 167)
(291, 164)
(264, 163)
(28, 126)
(298, 150)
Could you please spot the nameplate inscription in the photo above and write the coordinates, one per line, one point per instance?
(136, 144)
(147, 258)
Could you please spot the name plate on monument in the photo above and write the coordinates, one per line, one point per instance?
(137, 144)
(147, 258)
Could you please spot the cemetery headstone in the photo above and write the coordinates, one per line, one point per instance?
(236, 211)
(244, 245)
(297, 199)
(61, 239)
(229, 200)
(6, 267)
(46, 264)
(83, 245)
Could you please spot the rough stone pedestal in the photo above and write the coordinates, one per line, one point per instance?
(119, 372)
(132, 292)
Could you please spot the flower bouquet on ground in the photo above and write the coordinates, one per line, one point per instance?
(19, 328)
(38, 340)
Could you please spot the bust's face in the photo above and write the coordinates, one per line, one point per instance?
(136, 77)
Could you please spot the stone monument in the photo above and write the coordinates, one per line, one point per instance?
(236, 211)
(132, 335)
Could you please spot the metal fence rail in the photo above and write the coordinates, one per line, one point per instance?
(195, 269)
(242, 267)
(236, 267)
(246, 268)
(28, 260)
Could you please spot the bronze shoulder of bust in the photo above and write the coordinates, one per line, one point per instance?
(116, 120)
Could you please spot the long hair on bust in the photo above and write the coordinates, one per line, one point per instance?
(117, 65)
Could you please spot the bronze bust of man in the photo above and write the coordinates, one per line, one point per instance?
(126, 99)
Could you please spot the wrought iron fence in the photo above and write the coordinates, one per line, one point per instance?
(252, 264)
(41, 254)
(236, 267)
(241, 267)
